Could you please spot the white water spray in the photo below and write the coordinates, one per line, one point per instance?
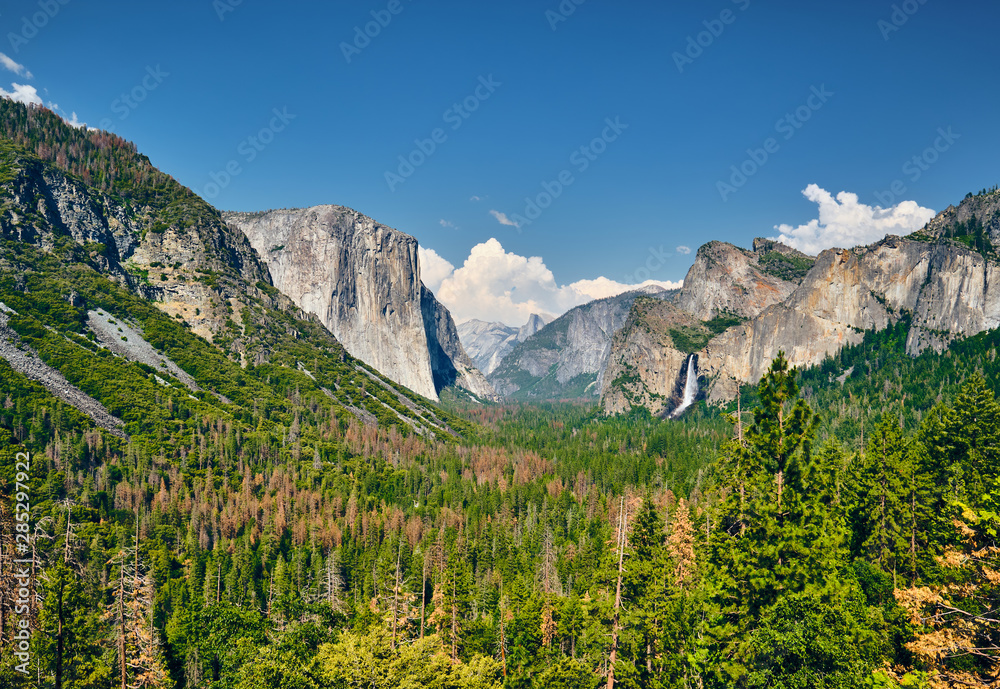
(690, 387)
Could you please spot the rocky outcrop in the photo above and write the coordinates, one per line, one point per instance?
(488, 343)
(648, 358)
(726, 280)
(568, 357)
(362, 279)
(195, 267)
(116, 219)
(944, 279)
(949, 291)
(44, 204)
(984, 207)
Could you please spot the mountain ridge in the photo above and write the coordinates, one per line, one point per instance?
(946, 277)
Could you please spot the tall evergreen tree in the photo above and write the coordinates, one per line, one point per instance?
(781, 532)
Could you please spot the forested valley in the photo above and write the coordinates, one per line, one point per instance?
(830, 534)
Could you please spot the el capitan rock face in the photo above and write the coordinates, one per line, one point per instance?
(362, 279)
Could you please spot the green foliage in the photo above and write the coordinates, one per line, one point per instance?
(786, 266)
(690, 339)
(804, 641)
(370, 661)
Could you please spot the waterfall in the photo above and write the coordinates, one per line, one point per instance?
(690, 386)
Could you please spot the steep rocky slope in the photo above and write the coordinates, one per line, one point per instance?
(488, 343)
(567, 357)
(124, 239)
(949, 290)
(945, 277)
(362, 279)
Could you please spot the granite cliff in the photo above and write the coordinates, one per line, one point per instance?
(648, 357)
(728, 280)
(489, 343)
(945, 279)
(362, 279)
(114, 272)
(568, 357)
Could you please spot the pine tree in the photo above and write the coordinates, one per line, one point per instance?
(781, 529)
(884, 501)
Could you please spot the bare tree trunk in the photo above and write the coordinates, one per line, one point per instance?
(395, 597)
(613, 657)
(121, 627)
(454, 618)
(423, 596)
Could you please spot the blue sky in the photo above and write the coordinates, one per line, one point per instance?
(212, 75)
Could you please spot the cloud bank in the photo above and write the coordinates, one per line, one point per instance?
(494, 285)
(844, 222)
(22, 93)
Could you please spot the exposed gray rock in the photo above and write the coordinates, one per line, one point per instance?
(27, 362)
(126, 341)
(645, 364)
(362, 279)
(450, 364)
(535, 323)
(727, 280)
(488, 343)
(947, 289)
(567, 357)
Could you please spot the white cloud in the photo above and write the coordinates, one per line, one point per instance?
(503, 219)
(474, 199)
(14, 67)
(433, 268)
(844, 222)
(683, 250)
(494, 285)
(22, 93)
(448, 223)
